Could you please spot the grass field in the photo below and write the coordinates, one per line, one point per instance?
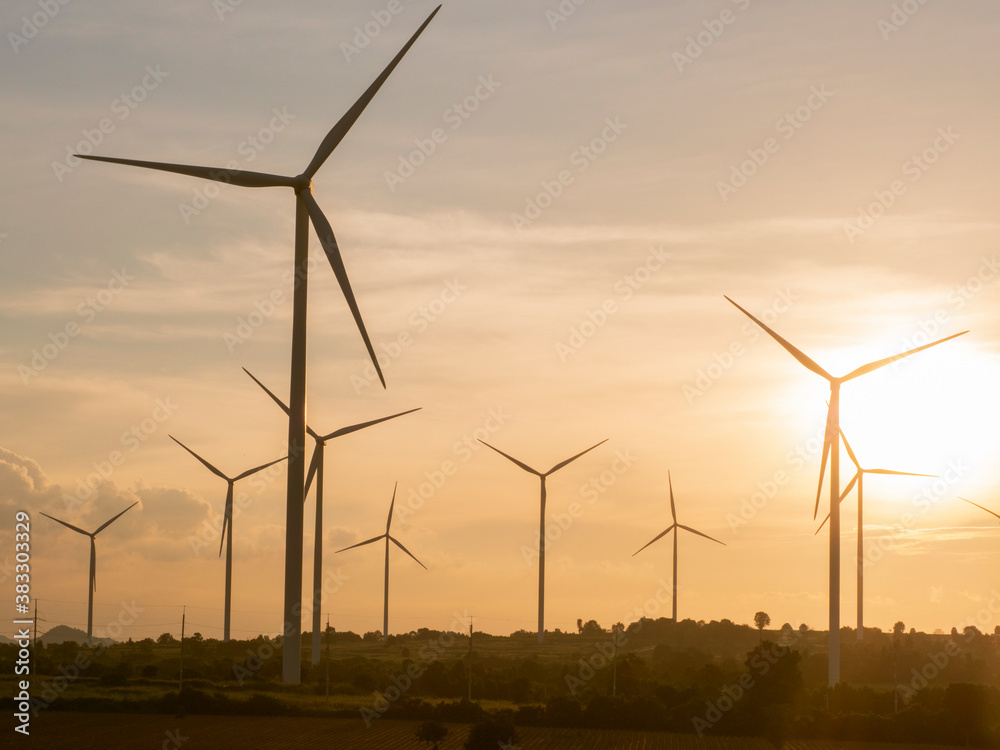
(58, 730)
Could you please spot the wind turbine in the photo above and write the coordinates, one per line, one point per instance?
(831, 448)
(227, 523)
(671, 527)
(859, 479)
(388, 538)
(541, 525)
(93, 563)
(981, 507)
(316, 470)
(306, 210)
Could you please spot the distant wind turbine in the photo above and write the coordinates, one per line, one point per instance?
(306, 210)
(831, 449)
(859, 479)
(316, 470)
(227, 523)
(93, 563)
(981, 507)
(388, 538)
(672, 527)
(541, 525)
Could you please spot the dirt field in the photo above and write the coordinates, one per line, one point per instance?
(59, 730)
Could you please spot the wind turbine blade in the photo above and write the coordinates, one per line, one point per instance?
(511, 458)
(362, 544)
(871, 366)
(338, 131)
(961, 498)
(695, 531)
(240, 177)
(655, 539)
(115, 518)
(854, 459)
(355, 427)
(226, 517)
(803, 359)
(673, 508)
(254, 470)
(827, 447)
(207, 464)
(388, 520)
(93, 564)
(850, 486)
(897, 473)
(276, 400)
(313, 468)
(325, 233)
(394, 541)
(822, 524)
(87, 533)
(569, 460)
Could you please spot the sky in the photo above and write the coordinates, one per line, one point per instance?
(540, 214)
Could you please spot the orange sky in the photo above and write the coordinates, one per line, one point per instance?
(540, 213)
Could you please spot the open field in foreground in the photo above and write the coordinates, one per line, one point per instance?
(59, 730)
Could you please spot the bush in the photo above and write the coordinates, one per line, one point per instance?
(491, 734)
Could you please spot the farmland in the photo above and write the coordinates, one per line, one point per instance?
(73, 731)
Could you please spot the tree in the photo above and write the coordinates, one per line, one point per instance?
(899, 628)
(166, 638)
(432, 731)
(761, 620)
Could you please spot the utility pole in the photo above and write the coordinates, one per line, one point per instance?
(328, 656)
(614, 661)
(470, 658)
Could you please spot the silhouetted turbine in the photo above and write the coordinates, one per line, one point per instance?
(227, 523)
(671, 527)
(306, 211)
(93, 563)
(388, 538)
(831, 448)
(541, 525)
(980, 507)
(316, 470)
(859, 479)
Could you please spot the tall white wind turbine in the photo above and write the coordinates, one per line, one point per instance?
(388, 538)
(307, 211)
(831, 449)
(675, 527)
(227, 524)
(93, 564)
(541, 524)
